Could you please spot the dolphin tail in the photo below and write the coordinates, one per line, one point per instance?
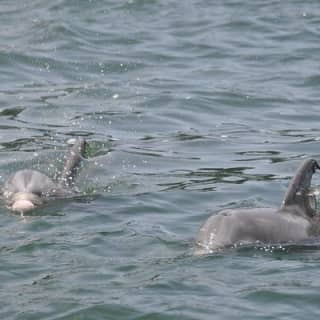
(297, 193)
(72, 162)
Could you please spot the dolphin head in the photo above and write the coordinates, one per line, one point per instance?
(26, 190)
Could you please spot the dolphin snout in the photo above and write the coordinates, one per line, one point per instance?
(22, 206)
(23, 202)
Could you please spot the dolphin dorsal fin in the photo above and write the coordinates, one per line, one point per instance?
(72, 162)
(299, 185)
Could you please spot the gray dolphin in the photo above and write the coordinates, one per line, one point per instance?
(295, 220)
(28, 189)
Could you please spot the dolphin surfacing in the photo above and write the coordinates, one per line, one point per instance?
(27, 189)
(293, 221)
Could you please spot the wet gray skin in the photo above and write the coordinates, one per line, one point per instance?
(27, 189)
(294, 221)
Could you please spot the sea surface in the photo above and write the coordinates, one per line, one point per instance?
(188, 107)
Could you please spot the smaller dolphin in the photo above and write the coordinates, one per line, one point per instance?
(27, 189)
(295, 220)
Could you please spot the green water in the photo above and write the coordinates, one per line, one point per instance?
(189, 107)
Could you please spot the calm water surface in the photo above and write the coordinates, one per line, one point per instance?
(189, 107)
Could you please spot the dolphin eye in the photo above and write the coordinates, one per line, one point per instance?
(37, 193)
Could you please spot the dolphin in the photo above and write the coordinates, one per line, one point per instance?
(28, 189)
(295, 220)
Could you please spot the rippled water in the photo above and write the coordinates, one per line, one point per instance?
(188, 107)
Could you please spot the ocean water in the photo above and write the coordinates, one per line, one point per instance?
(188, 107)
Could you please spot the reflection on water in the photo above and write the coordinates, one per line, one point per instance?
(204, 177)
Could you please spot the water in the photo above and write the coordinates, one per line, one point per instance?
(189, 107)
